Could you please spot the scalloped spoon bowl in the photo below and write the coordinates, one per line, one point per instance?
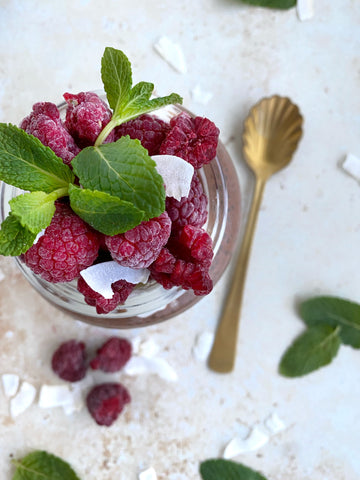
(271, 135)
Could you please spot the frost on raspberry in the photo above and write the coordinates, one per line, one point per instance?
(68, 246)
(151, 131)
(193, 139)
(139, 247)
(44, 122)
(86, 115)
(69, 361)
(106, 401)
(112, 355)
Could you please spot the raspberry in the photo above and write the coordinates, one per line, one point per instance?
(151, 131)
(139, 247)
(192, 244)
(190, 210)
(122, 290)
(69, 361)
(106, 401)
(68, 246)
(44, 123)
(193, 139)
(112, 356)
(86, 116)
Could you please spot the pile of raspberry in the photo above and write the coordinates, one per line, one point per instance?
(175, 247)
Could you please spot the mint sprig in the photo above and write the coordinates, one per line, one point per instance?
(220, 469)
(15, 239)
(43, 465)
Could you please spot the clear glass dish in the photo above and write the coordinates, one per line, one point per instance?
(151, 304)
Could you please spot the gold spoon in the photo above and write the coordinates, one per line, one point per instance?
(271, 134)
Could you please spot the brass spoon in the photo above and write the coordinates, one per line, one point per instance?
(271, 134)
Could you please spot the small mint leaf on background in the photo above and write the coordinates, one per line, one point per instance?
(40, 465)
(14, 238)
(123, 169)
(219, 469)
(313, 349)
(104, 212)
(27, 164)
(278, 4)
(334, 311)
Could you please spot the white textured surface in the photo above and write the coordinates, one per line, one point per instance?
(306, 241)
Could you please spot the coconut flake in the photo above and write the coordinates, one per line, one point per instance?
(145, 348)
(255, 440)
(200, 96)
(2, 275)
(274, 424)
(202, 345)
(148, 474)
(10, 383)
(55, 396)
(351, 165)
(171, 52)
(138, 365)
(305, 9)
(101, 276)
(23, 399)
(176, 173)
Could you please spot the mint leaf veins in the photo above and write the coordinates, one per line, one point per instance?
(221, 469)
(42, 465)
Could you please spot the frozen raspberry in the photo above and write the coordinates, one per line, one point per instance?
(138, 247)
(193, 139)
(112, 356)
(190, 210)
(44, 123)
(106, 401)
(122, 290)
(69, 361)
(151, 132)
(68, 246)
(86, 116)
(192, 244)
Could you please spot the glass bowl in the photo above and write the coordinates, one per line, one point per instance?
(151, 303)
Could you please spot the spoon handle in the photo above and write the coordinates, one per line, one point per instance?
(222, 355)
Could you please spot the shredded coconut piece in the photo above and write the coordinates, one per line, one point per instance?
(148, 474)
(202, 345)
(200, 96)
(351, 165)
(23, 399)
(255, 440)
(55, 396)
(101, 276)
(10, 383)
(305, 9)
(176, 173)
(171, 53)
(145, 348)
(274, 424)
(138, 365)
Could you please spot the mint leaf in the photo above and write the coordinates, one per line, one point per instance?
(315, 348)
(123, 169)
(334, 311)
(40, 465)
(14, 238)
(104, 212)
(36, 209)
(279, 4)
(219, 469)
(27, 164)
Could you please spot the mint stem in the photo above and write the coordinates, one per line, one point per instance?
(105, 132)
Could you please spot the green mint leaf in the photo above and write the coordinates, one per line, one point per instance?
(36, 209)
(104, 212)
(14, 238)
(315, 348)
(27, 164)
(123, 169)
(279, 4)
(219, 469)
(334, 311)
(40, 465)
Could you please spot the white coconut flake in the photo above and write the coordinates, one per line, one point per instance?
(274, 424)
(10, 383)
(202, 345)
(138, 365)
(255, 440)
(100, 276)
(351, 165)
(200, 96)
(39, 235)
(2, 275)
(51, 396)
(148, 474)
(176, 173)
(172, 53)
(145, 348)
(305, 9)
(23, 399)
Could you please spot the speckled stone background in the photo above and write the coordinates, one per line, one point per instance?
(306, 243)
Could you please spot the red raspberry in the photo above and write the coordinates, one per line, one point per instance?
(44, 123)
(190, 210)
(68, 246)
(106, 401)
(138, 247)
(151, 131)
(192, 244)
(122, 290)
(112, 356)
(69, 361)
(193, 139)
(86, 116)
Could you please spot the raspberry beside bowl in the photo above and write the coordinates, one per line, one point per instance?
(151, 303)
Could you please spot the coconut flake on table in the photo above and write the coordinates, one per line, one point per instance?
(172, 53)
(148, 474)
(23, 399)
(274, 424)
(305, 9)
(255, 440)
(51, 396)
(10, 383)
(202, 345)
(144, 348)
(176, 173)
(101, 276)
(200, 96)
(351, 165)
(138, 365)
